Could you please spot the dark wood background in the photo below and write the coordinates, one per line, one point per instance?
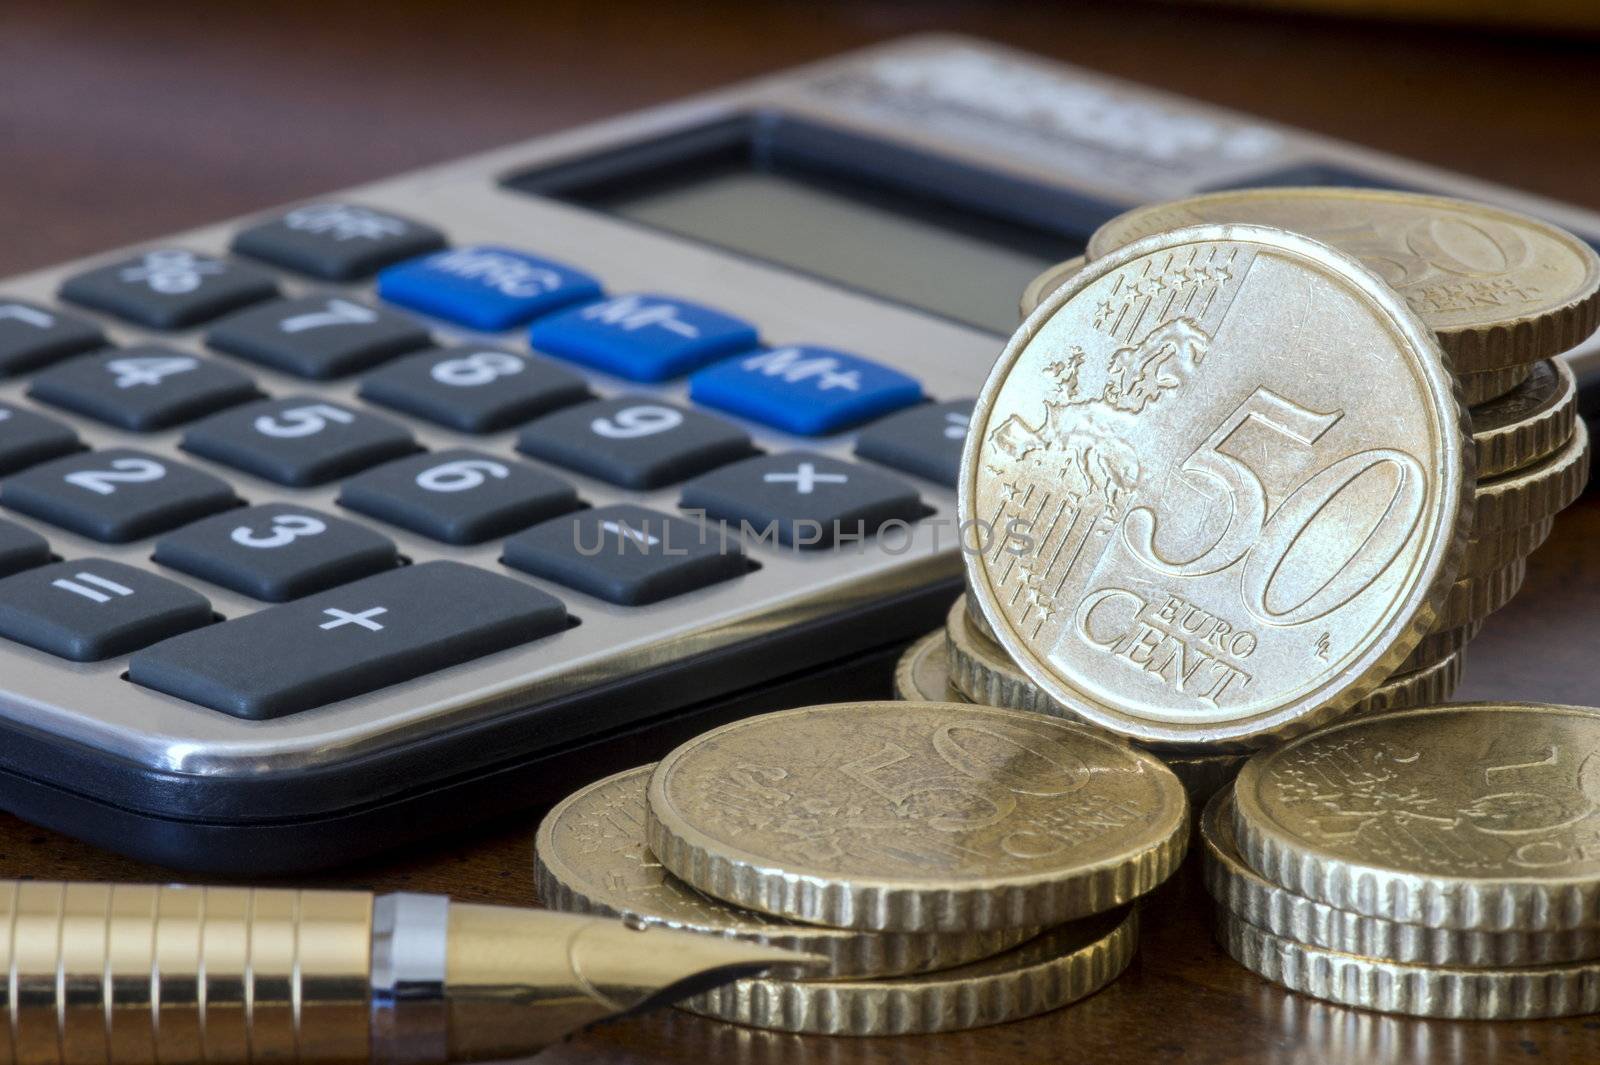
(120, 122)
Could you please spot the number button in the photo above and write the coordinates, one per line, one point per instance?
(298, 441)
(21, 548)
(32, 336)
(91, 609)
(634, 441)
(357, 638)
(474, 390)
(925, 441)
(642, 338)
(170, 288)
(116, 495)
(459, 496)
(626, 554)
(337, 241)
(276, 551)
(317, 337)
(806, 500)
(143, 388)
(27, 439)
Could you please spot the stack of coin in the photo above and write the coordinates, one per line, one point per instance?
(1504, 294)
(1438, 862)
(947, 866)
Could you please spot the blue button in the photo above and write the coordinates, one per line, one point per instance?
(804, 390)
(642, 338)
(485, 287)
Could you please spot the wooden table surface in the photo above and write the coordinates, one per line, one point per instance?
(122, 122)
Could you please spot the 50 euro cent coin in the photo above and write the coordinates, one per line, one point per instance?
(1228, 481)
(916, 817)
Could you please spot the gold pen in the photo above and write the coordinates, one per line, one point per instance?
(117, 974)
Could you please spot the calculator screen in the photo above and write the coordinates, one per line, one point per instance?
(900, 229)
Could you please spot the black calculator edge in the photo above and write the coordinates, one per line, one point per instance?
(357, 808)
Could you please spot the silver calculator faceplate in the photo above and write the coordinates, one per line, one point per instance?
(1005, 111)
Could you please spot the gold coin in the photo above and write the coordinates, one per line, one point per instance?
(1046, 283)
(1420, 687)
(1437, 646)
(1541, 491)
(1479, 816)
(1475, 598)
(590, 857)
(1203, 775)
(916, 817)
(1528, 424)
(1283, 913)
(982, 671)
(976, 621)
(1059, 967)
(923, 673)
(1479, 388)
(1208, 525)
(1452, 992)
(1504, 547)
(1497, 287)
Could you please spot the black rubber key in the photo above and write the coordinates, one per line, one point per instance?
(27, 439)
(626, 554)
(116, 495)
(143, 388)
(337, 241)
(32, 336)
(276, 551)
(634, 441)
(804, 499)
(21, 548)
(474, 390)
(925, 441)
(93, 608)
(170, 288)
(298, 441)
(317, 336)
(458, 496)
(349, 641)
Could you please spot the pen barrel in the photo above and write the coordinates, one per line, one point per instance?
(128, 975)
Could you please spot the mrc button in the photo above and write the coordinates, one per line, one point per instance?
(804, 390)
(485, 286)
(642, 338)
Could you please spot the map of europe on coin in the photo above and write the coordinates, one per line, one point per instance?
(1216, 487)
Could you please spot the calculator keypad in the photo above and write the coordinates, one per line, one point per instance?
(473, 390)
(318, 337)
(116, 495)
(170, 288)
(635, 441)
(337, 241)
(276, 551)
(299, 441)
(354, 639)
(32, 336)
(93, 608)
(458, 496)
(143, 388)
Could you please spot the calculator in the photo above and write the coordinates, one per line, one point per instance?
(370, 517)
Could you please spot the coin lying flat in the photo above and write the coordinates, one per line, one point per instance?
(1050, 971)
(1479, 388)
(1528, 424)
(590, 857)
(1477, 816)
(1565, 990)
(1541, 491)
(1047, 282)
(916, 817)
(923, 673)
(1437, 646)
(1496, 286)
(1195, 537)
(1420, 687)
(1476, 597)
(1504, 547)
(1283, 913)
